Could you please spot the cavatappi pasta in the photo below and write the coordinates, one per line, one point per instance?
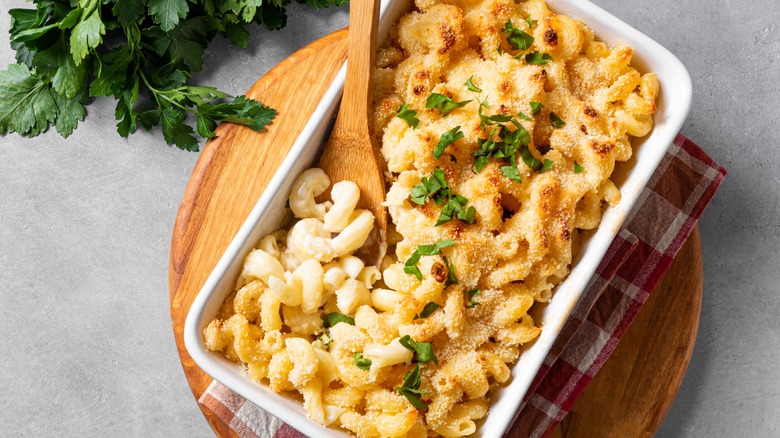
(500, 123)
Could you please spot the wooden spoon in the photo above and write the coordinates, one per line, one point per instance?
(351, 153)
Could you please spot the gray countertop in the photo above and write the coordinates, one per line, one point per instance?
(85, 226)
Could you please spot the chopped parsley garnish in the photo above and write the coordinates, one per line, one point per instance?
(451, 278)
(524, 117)
(410, 267)
(411, 388)
(443, 103)
(556, 121)
(409, 116)
(547, 165)
(428, 310)
(334, 318)
(434, 187)
(511, 172)
(491, 120)
(538, 58)
(536, 107)
(499, 50)
(506, 148)
(578, 168)
(471, 294)
(530, 22)
(361, 362)
(470, 85)
(423, 351)
(455, 208)
(518, 39)
(453, 205)
(447, 139)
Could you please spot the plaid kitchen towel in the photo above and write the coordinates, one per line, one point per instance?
(663, 218)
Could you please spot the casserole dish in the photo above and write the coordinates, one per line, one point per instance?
(269, 214)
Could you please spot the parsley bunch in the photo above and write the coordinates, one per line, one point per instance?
(141, 52)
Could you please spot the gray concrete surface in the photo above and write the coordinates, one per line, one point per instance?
(85, 225)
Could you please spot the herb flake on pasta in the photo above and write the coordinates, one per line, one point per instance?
(361, 362)
(334, 318)
(410, 267)
(518, 39)
(411, 388)
(428, 310)
(409, 116)
(423, 351)
(447, 139)
(536, 107)
(470, 85)
(578, 168)
(538, 58)
(471, 294)
(443, 103)
(556, 121)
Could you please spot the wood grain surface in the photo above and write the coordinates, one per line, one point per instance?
(628, 398)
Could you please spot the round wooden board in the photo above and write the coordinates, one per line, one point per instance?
(629, 397)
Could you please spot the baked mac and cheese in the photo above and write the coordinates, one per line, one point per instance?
(500, 123)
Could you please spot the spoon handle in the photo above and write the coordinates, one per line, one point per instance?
(361, 55)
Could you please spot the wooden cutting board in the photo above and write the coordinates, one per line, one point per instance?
(628, 398)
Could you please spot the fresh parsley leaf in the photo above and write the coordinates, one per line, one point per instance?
(556, 121)
(409, 116)
(480, 161)
(410, 267)
(434, 187)
(413, 269)
(470, 85)
(447, 139)
(511, 172)
(70, 113)
(188, 42)
(443, 103)
(500, 50)
(468, 216)
(67, 78)
(530, 22)
(112, 77)
(423, 350)
(529, 159)
(524, 117)
(331, 319)
(167, 13)
(451, 277)
(538, 58)
(128, 12)
(546, 165)
(175, 131)
(361, 362)
(88, 33)
(536, 107)
(411, 388)
(518, 39)
(428, 310)
(578, 168)
(471, 293)
(26, 103)
(490, 120)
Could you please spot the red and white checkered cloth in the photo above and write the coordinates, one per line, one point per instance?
(664, 216)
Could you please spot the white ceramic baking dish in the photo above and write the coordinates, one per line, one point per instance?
(631, 177)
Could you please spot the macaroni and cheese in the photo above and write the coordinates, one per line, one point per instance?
(500, 123)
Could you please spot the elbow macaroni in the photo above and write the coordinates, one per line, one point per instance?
(520, 248)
